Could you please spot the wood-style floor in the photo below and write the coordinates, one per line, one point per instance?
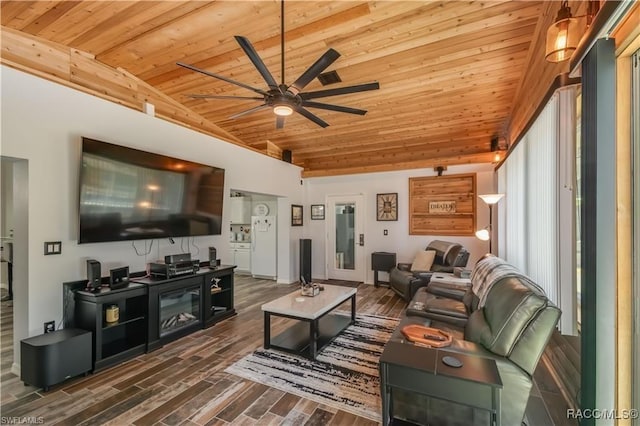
(184, 383)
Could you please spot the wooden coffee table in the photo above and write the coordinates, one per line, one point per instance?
(316, 327)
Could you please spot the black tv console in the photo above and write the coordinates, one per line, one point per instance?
(151, 311)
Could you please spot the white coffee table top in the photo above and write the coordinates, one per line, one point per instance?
(297, 305)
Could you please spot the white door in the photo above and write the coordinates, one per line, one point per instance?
(345, 238)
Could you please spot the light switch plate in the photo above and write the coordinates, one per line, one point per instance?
(52, 247)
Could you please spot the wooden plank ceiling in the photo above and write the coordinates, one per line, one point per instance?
(448, 70)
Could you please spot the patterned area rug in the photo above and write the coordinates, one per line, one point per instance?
(344, 375)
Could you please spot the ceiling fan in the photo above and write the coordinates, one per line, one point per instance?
(283, 99)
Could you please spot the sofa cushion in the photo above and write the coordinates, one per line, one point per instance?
(452, 291)
(423, 260)
(427, 305)
(446, 306)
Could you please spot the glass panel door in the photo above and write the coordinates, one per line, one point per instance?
(345, 235)
(345, 248)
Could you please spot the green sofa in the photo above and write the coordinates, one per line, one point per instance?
(512, 325)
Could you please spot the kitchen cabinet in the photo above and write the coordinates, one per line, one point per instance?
(240, 255)
(240, 210)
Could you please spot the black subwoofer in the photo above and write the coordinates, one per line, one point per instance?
(48, 359)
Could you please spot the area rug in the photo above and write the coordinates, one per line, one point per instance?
(344, 374)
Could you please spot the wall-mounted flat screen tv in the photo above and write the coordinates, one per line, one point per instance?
(128, 194)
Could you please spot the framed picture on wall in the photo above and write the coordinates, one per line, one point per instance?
(387, 206)
(317, 211)
(296, 215)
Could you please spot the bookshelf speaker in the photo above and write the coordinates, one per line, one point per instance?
(94, 273)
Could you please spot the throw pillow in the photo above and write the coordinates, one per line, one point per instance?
(423, 260)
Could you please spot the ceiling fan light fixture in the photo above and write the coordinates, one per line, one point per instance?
(282, 110)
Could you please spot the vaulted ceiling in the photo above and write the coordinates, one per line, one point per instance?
(451, 73)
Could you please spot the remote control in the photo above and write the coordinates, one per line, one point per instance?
(435, 337)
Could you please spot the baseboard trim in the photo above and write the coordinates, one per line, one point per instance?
(15, 369)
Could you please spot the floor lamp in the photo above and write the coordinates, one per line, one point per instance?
(484, 234)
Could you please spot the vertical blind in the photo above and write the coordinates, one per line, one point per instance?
(530, 213)
(542, 200)
(515, 197)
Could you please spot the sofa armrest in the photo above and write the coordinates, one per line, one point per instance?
(422, 280)
(404, 267)
(423, 275)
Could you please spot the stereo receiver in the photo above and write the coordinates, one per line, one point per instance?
(171, 270)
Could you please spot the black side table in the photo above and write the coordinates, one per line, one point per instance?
(381, 261)
(421, 370)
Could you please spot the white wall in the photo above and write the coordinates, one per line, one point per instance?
(43, 122)
(6, 202)
(398, 239)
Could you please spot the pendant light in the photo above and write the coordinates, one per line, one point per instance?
(563, 35)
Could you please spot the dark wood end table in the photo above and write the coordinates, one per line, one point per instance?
(420, 369)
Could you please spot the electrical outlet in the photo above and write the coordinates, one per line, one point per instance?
(49, 326)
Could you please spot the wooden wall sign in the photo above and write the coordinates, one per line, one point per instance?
(442, 205)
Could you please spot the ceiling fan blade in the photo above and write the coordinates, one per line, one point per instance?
(279, 122)
(250, 111)
(330, 107)
(314, 70)
(198, 96)
(340, 91)
(228, 80)
(320, 122)
(257, 62)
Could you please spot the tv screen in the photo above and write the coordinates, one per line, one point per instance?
(128, 194)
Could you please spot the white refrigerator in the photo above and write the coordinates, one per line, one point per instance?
(263, 246)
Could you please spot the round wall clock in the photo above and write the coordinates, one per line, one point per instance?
(387, 206)
(261, 209)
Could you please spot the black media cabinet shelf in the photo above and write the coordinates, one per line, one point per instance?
(120, 340)
(218, 300)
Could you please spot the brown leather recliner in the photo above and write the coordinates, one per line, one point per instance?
(406, 282)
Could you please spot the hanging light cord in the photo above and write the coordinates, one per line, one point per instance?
(282, 40)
